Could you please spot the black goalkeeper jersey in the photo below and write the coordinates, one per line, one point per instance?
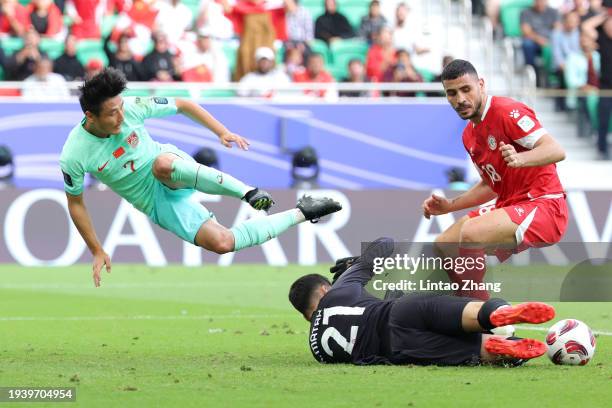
(350, 325)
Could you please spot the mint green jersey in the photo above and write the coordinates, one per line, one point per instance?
(123, 161)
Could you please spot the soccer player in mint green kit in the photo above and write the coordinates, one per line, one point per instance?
(112, 144)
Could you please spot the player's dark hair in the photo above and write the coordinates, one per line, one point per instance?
(95, 91)
(457, 68)
(302, 289)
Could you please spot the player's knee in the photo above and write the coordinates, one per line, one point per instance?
(224, 243)
(444, 243)
(470, 233)
(162, 167)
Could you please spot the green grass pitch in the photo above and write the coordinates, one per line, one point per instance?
(228, 337)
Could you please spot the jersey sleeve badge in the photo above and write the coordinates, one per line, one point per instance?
(526, 123)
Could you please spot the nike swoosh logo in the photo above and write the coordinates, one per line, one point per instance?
(103, 166)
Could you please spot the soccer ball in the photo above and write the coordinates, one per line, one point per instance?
(570, 342)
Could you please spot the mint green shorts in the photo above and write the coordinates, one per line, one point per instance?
(178, 211)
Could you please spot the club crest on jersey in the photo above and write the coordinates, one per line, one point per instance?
(132, 139)
(514, 114)
(492, 142)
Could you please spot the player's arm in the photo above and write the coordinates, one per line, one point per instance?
(200, 115)
(477, 195)
(82, 221)
(545, 151)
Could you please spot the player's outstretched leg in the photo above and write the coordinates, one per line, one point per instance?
(208, 180)
(256, 231)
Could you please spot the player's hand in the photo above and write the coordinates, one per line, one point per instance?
(341, 266)
(100, 259)
(228, 138)
(510, 155)
(436, 205)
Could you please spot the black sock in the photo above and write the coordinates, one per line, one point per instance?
(485, 312)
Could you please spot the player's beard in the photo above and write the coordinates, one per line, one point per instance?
(477, 107)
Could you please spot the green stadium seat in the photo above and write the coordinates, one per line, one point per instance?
(108, 23)
(280, 54)
(193, 6)
(136, 92)
(230, 50)
(356, 45)
(174, 93)
(354, 12)
(218, 93)
(11, 44)
(339, 73)
(53, 48)
(510, 16)
(1, 73)
(315, 7)
(321, 47)
(592, 107)
(427, 75)
(91, 49)
(343, 51)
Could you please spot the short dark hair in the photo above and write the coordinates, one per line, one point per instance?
(458, 68)
(302, 289)
(95, 91)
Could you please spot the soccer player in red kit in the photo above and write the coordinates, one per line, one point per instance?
(516, 158)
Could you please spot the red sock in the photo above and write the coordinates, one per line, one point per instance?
(474, 269)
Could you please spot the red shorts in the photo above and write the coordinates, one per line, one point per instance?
(541, 222)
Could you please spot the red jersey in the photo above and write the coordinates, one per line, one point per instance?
(509, 121)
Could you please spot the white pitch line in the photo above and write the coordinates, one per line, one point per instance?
(142, 317)
(144, 285)
(545, 329)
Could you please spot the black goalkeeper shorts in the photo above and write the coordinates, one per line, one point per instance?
(426, 329)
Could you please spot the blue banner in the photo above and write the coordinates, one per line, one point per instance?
(360, 146)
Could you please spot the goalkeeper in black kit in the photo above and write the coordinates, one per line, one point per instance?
(349, 325)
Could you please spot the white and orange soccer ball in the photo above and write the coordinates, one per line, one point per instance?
(570, 342)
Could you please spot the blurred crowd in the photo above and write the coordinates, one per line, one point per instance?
(270, 42)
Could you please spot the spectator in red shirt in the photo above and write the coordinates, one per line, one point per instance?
(13, 18)
(381, 55)
(85, 24)
(45, 17)
(315, 72)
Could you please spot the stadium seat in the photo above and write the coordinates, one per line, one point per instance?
(11, 44)
(218, 93)
(108, 23)
(315, 7)
(136, 92)
(427, 75)
(343, 51)
(1, 73)
(510, 16)
(175, 93)
(91, 49)
(53, 48)
(280, 54)
(193, 6)
(230, 49)
(592, 106)
(321, 47)
(354, 12)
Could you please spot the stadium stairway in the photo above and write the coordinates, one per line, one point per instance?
(580, 151)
